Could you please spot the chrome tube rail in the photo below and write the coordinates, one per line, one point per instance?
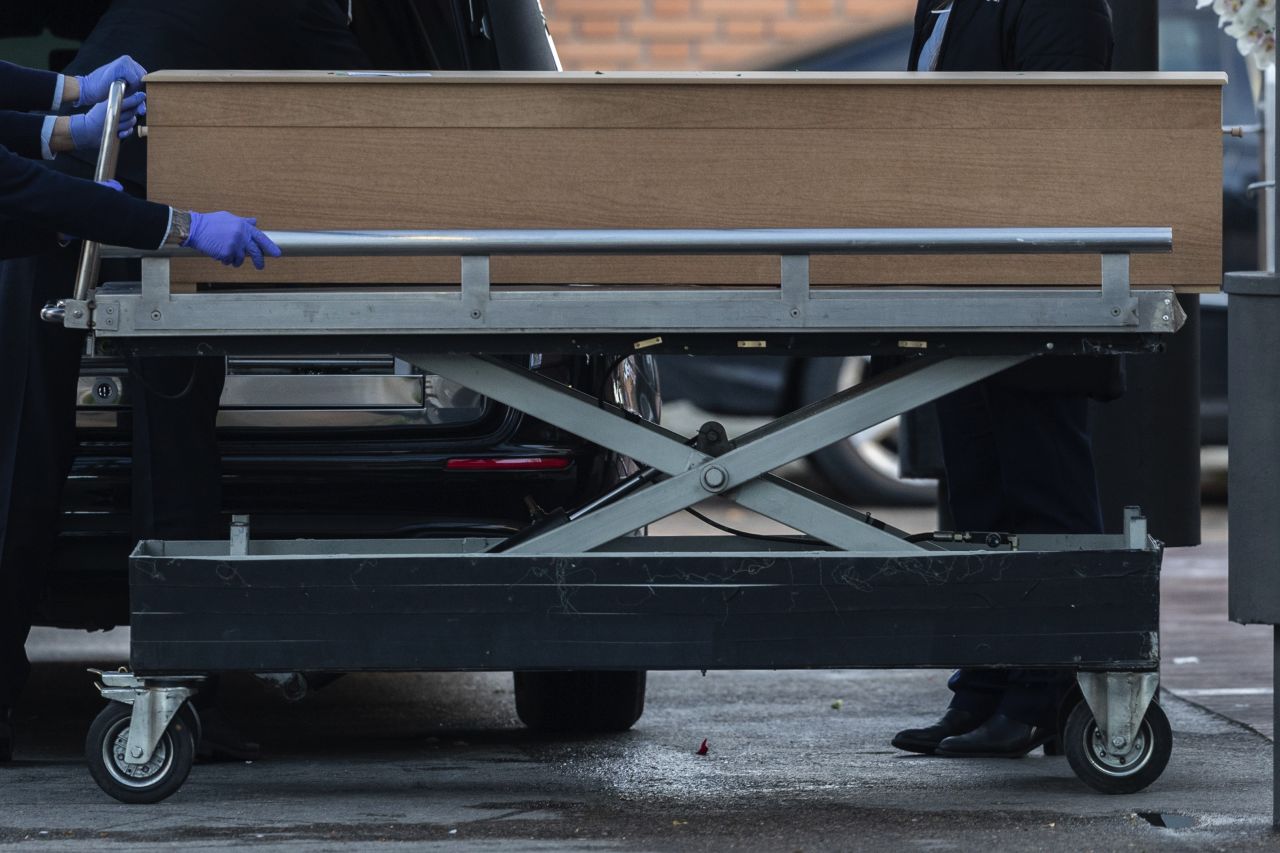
(747, 241)
(153, 310)
(90, 252)
(105, 170)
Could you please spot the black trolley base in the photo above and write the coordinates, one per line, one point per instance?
(1090, 604)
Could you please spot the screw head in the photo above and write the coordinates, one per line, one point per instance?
(1049, 345)
(77, 313)
(136, 752)
(1118, 742)
(155, 315)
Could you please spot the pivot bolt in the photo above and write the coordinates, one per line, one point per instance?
(1118, 742)
(136, 752)
(714, 478)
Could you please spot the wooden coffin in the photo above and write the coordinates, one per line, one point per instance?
(334, 150)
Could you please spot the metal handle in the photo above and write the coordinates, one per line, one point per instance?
(108, 153)
(54, 312)
(750, 241)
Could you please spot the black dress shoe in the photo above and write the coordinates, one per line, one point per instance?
(998, 737)
(926, 740)
(6, 734)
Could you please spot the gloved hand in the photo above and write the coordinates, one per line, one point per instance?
(96, 85)
(86, 128)
(228, 238)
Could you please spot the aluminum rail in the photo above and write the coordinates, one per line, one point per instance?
(751, 241)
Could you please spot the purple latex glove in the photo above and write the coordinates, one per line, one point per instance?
(96, 85)
(86, 128)
(228, 238)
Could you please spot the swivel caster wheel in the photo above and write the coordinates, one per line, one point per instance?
(1105, 768)
(152, 782)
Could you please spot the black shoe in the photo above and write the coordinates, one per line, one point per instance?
(221, 741)
(6, 734)
(926, 740)
(998, 737)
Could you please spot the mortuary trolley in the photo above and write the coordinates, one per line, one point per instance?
(579, 589)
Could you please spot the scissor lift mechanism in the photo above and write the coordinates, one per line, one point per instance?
(849, 591)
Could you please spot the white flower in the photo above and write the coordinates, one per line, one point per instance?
(1252, 23)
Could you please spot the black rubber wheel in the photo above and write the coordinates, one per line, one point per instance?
(157, 780)
(1053, 747)
(864, 467)
(1102, 769)
(580, 701)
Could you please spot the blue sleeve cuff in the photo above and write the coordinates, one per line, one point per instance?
(57, 93)
(46, 136)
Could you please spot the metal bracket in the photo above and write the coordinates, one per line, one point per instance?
(239, 536)
(1135, 529)
(795, 286)
(1116, 293)
(475, 286)
(155, 704)
(1119, 701)
(78, 314)
(155, 280)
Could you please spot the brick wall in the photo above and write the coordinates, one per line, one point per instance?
(707, 34)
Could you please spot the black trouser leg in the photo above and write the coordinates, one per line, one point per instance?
(39, 366)
(1022, 462)
(177, 468)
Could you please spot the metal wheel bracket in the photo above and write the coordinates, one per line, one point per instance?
(1119, 701)
(155, 703)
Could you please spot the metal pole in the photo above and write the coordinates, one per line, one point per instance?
(706, 241)
(90, 257)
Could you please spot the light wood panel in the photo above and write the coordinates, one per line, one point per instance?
(781, 151)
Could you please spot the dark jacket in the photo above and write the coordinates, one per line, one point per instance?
(36, 203)
(24, 89)
(1019, 35)
(1031, 35)
(211, 34)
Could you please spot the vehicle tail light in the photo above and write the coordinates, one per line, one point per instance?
(512, 463)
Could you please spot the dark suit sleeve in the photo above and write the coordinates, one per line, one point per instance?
(1063, 35)
(50, 202)
(20, 133)
(20, 241)
(26, 88)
